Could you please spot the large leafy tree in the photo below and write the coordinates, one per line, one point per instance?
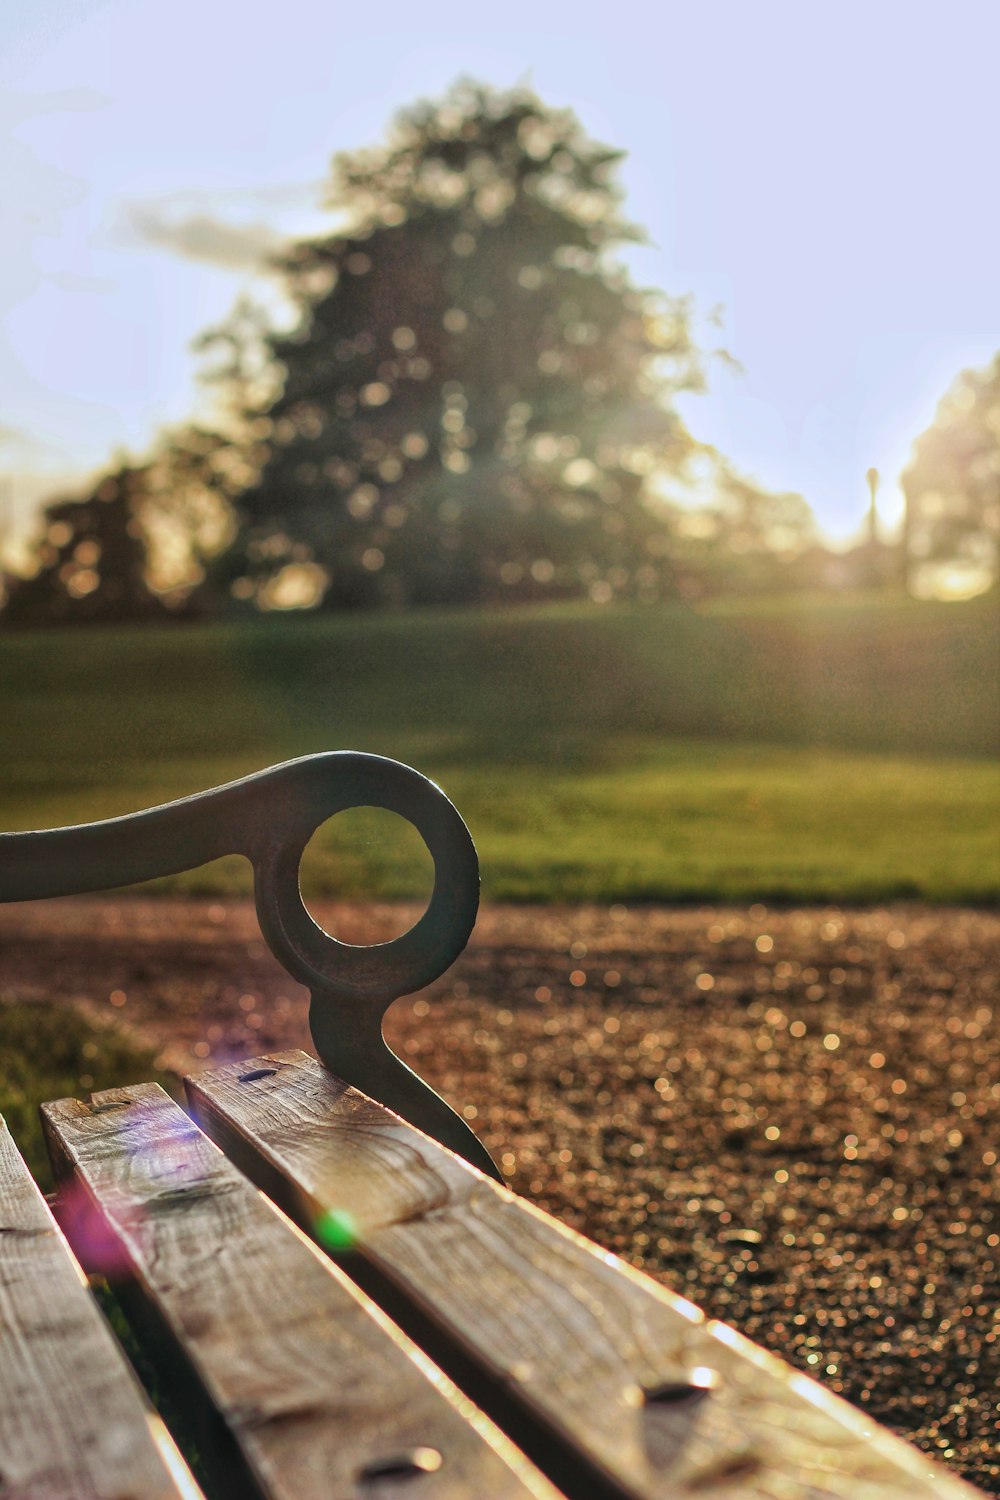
(474, 402)
(952, 484)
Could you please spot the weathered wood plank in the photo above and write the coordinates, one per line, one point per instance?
(74, 1422)
(594, 1359)
(322, 1396)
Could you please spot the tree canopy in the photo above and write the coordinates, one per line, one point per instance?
(91, 562)
(474, 401)
(469, 400)
(952, 483)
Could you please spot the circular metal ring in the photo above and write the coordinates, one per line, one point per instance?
(376, 974)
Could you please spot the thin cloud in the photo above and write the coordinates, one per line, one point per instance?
(15, 441)
(202, 236)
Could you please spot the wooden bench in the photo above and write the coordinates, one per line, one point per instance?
(336, 1303)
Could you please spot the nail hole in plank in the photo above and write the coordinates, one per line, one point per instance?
(404, 1465)
(700, 1383)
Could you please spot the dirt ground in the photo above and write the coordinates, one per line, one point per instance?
(789, 1116)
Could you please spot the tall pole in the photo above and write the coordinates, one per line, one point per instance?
(876, 577)
(904, 539)
(871, 475)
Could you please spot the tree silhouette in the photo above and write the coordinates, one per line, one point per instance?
(91, 563)
(474, 402)
(952, 484)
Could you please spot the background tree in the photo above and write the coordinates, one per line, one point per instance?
(91, 561)
(194, 475)
(197, 470)
(952, 484)
(473, 398)
(743, 538)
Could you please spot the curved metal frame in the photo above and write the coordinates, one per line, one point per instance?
(269, 818)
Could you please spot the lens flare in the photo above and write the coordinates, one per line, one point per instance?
(336, 1229)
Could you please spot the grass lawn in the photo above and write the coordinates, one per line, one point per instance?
(55, 1052)
(779, 749)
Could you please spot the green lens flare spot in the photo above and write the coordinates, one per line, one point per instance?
(336, 1229)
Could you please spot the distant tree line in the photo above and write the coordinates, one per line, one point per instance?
(470, 402)
(952, 484)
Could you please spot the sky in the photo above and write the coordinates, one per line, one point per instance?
(826, 174)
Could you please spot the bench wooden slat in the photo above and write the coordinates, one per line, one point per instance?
(313, 1383)
(74, 1422)
(594, 1359)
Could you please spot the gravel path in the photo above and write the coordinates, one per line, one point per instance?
(791, 1117)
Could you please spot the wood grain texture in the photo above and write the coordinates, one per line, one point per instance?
(74, 1422)
(317, 1389)
(596, 1355)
